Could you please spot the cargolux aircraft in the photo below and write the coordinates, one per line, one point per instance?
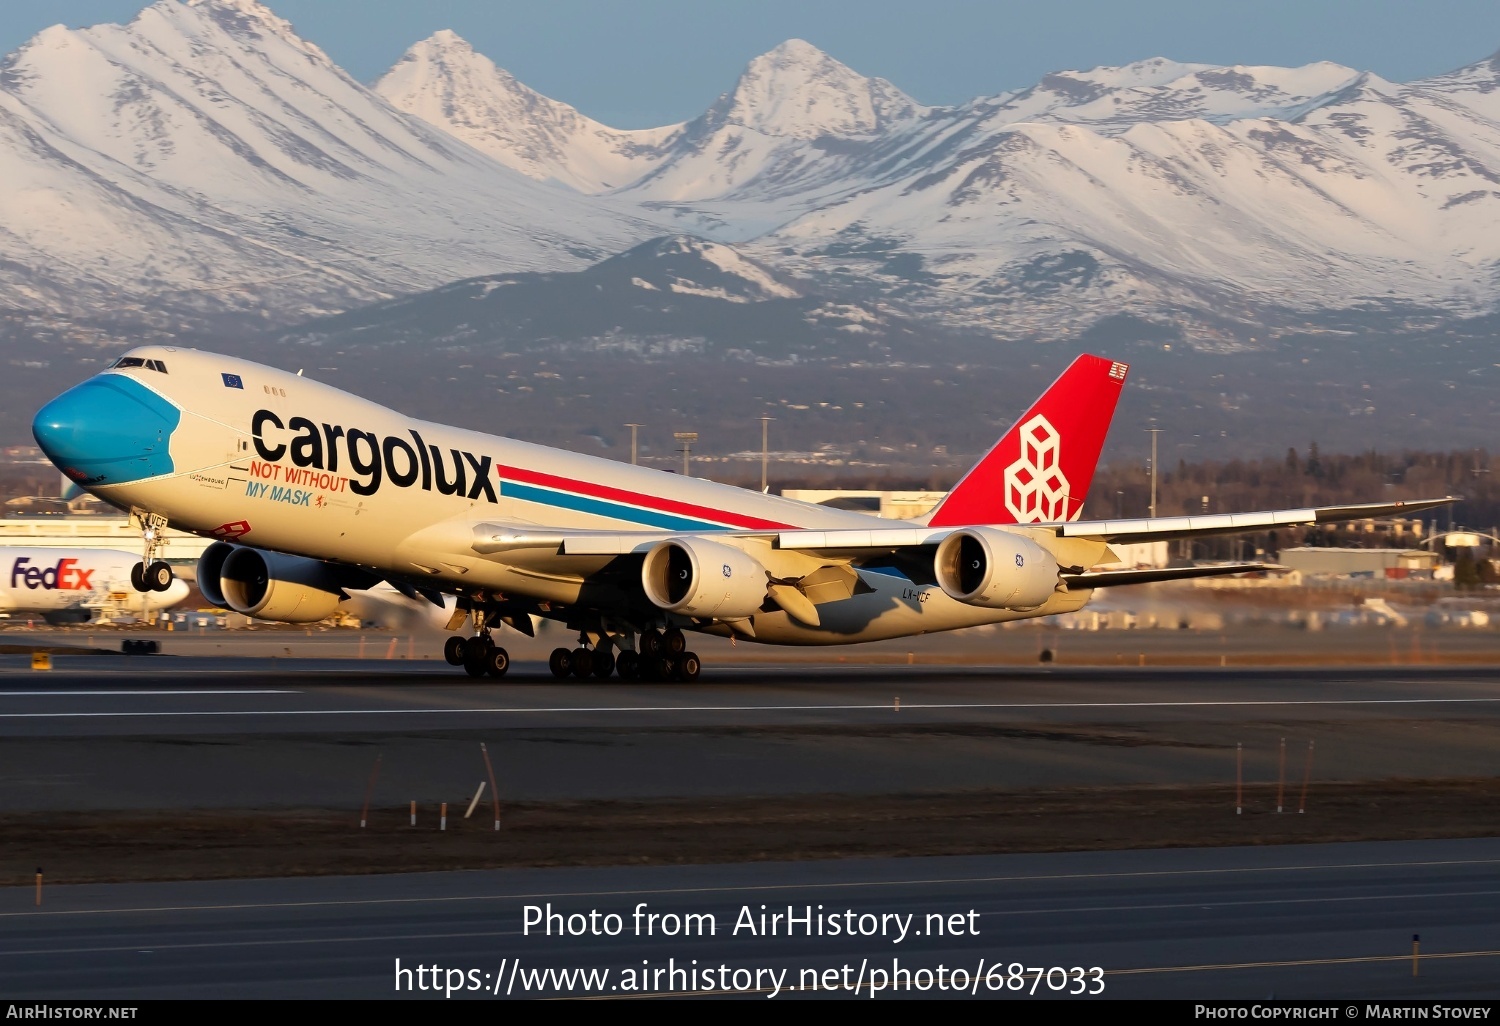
(314, 493)
(66, 585)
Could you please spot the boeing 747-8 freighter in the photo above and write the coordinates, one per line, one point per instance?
(313, 493)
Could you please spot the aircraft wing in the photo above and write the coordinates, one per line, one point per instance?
(1167, 528)
(1142, 530)
(499, 540)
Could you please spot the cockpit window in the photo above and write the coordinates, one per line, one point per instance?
(136, 361)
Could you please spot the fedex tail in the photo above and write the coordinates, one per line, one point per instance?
(1041, 470)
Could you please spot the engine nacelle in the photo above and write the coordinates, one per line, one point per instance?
(211, 568)
(275, 586)
(702, 578)
(995, 569)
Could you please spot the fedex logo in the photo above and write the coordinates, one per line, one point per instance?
(67, 575)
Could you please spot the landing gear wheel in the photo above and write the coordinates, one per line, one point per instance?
(628, 664)
(663, 668)
(650, 642)
(604, 664)
(138, 577)
(560, 663)
(583, 663)
(688, 667)
(674, 642)
(474, 666)
(477, 649)
(453, 651)
(497, 662)
(158, 576)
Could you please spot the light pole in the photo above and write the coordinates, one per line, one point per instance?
(1154, 433)
(633, 429)
(765, 449)
(687, 438)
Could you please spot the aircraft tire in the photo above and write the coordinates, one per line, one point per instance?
(453, 651)
(475, 667)
(627, 665)
(663, 668)
(583, 663)
(138, 577)
(650, 642)
(159, 576)
(477, 648)
(497, 662)
(604, 664)
(560, 663)
(688, 667)
(674, 642)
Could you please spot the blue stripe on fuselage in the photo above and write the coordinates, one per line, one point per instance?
(604, 508)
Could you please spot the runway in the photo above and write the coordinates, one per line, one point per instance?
(1316, 921)
(188, 733)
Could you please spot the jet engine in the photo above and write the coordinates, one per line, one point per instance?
(210, 568)
(995, 569)
(702, 578)
(269, 585)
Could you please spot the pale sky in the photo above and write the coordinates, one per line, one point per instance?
(641, 63)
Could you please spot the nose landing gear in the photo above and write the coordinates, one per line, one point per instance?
(151, 574)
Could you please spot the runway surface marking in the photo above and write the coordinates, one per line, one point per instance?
(741, 888)
(168, 691)
(910, 706)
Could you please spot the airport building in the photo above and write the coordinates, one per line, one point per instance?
(1340, 562)
(107, 531)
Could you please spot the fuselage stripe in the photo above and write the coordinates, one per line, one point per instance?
(603, 508)
(683, 515)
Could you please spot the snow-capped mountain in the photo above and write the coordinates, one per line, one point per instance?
(445, 83)
(205, 156)
(1153, 187)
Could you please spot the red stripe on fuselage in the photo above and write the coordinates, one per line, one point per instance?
(655, 502)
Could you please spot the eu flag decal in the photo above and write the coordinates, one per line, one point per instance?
(232, 381)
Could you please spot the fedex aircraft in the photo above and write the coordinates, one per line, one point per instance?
(314, 493)
(69, 585)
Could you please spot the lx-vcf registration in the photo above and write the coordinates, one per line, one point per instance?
(313, 493)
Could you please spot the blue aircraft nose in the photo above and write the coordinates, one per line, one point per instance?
(108, 430)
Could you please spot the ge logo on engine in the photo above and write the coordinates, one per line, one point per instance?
(1020, 559)
(728, 572)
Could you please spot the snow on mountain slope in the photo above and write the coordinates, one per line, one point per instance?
(204, 154)
(204, 157)
(445, 83)
(1347, 191)
(796, 120)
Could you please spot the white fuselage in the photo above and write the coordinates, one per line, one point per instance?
(274, 460)
(56, 580)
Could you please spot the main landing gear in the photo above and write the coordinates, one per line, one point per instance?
(663, 656)
(151, 574)
(479, 655)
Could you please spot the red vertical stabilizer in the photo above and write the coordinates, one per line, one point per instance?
(1041, 470)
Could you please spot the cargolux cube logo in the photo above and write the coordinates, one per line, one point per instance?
(233, 530)
(67, 575)
(1035, 487)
